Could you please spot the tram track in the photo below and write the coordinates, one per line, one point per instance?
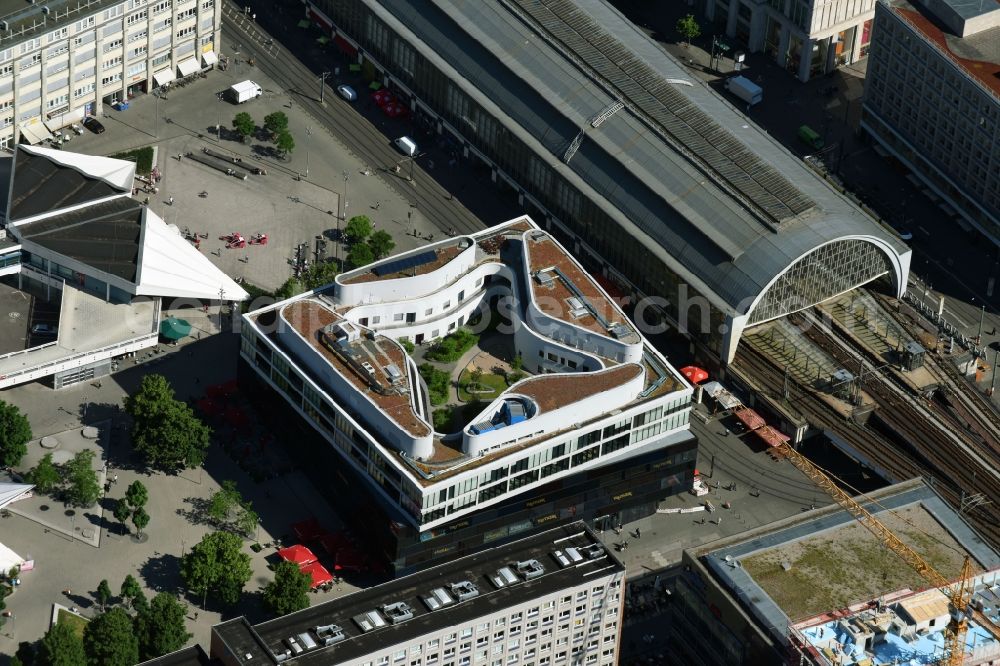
(361, 138)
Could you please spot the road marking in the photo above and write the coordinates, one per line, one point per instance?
(924, 231)
(955, 317)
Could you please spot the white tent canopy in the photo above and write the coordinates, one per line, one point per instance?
(164, 76)
(170, 267)
(188, 67)
(58, 122)
(117, 173)
(10, 492)
(209, 58)
(35, 132)
(9, 559)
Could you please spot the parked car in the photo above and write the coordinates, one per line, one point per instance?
(94, 125)
(347, 92)
(45, 330)
(76, 129)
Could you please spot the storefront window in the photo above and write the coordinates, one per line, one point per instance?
(866, 38)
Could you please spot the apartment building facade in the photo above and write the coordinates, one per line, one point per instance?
(806, 37)
(550, 600)
(932, 100)
(63, 61)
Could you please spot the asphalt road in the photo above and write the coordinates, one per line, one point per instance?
(437, 189)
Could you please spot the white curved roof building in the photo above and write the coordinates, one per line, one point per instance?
(591, 389)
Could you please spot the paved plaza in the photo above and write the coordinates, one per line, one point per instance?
(300, 198)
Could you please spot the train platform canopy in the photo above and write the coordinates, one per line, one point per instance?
(11, 492)
(716, 198)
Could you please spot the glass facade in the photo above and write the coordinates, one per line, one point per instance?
(821, 274)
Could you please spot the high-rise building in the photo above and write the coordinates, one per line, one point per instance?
(62, 60)
(806, 37)
(552, 599)
(563, 410)
(932, 100)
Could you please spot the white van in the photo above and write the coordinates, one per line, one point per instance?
(406, 146)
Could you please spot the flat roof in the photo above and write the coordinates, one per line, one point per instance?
(557, 282)
(104, 236)
(370, 273)
(25, 20)
(309, 317)
(977, 54)
(261, 641)
(623, 120)
(809, 543)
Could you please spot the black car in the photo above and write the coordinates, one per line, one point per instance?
(93, 124)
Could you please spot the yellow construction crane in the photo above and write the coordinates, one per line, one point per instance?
(959, 593)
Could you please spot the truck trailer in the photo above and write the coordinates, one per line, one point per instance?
(745, 89)
(244, 91)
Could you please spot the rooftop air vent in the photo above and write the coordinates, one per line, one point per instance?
(398, 612)
(437, 599)
(369, 621)
(593, 551)
(293, 645)
(306, 640)
(619, 331)
(567, 557)
(544, 278)
(3, 26)
(464, 590)
(393, 373)
(530, 569)
(504, 577)
(45, 10)
(329, 633)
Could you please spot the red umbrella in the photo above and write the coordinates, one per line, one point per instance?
(318, 573)
(298, 554)
(694, 374)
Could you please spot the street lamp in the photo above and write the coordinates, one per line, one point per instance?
(322, 87)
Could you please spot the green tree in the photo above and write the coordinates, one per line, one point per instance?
(246, 521)
(358, 229)
(688, 28)
(109, 640)
(223, 501)
(360, 255)
(15, 432)
(130, 589)
(165, 430)
(381, 243)
(140, 519)
(276, 123)
(136, 495)
(103, 594)
(45, 476)
(161, 628)
(284, 143)
(60, 646)
(289, 591)
(122, 513)
(27, 652)
(319, 274)
(218, 566)
(83, 489)
(139, 602)
(244, 124)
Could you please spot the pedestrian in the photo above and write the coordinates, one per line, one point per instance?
(254, 17)
(637, 535)
(625, 546)
(114, 479)
(196, 615)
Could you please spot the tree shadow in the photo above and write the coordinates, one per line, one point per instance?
(196, 511)
(162, 573)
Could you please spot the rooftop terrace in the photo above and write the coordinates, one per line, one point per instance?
(453, 595)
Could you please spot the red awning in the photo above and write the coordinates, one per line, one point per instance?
(749, 418)
(694, 374)
(318, 573)
(298, 554)
(344, 45)
(307, 530)
(320, 18)
(771, 436)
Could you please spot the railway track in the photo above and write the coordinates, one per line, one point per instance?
(340, 119)
(952, 457)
